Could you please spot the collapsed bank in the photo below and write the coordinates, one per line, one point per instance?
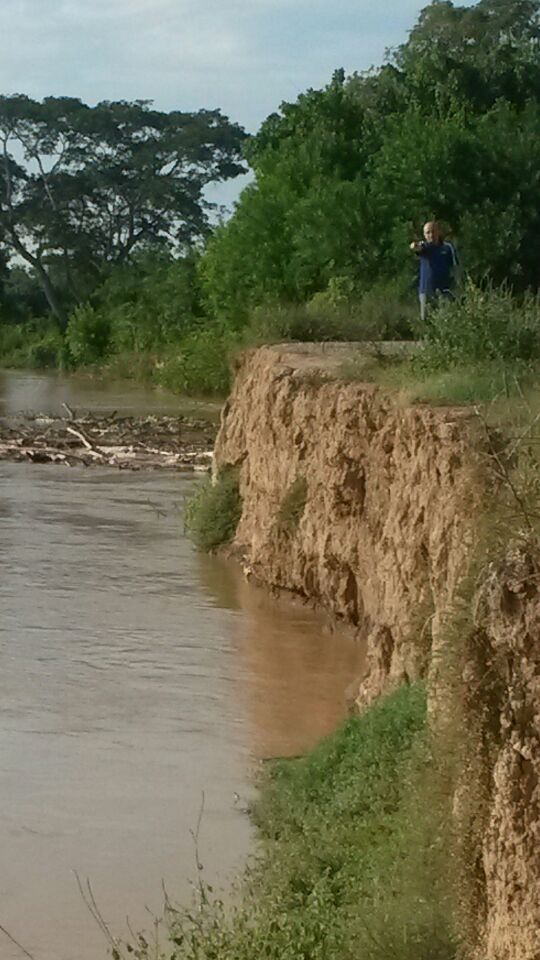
(382, 514)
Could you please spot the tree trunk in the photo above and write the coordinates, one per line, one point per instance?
(49, 291)
(43, 277)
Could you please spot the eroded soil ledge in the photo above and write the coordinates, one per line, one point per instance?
(393, 500)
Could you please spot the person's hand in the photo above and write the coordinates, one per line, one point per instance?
(415, 245)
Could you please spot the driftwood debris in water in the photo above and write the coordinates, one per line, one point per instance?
(132, 443)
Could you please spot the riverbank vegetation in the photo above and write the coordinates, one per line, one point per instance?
(482, 347)
(99, 275)
(345, 867)
(213, 510)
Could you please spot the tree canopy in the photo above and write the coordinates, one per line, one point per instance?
(82, 188)
(448, 126)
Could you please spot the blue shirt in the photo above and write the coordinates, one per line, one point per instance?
(437, 261)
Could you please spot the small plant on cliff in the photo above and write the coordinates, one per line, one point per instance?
(213, 510)
(292, 507)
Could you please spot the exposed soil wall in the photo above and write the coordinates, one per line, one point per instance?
(382, 537)
(391, 497)
(501, 681)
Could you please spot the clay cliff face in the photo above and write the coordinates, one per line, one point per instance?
(388, 501)
(502, 703)
(391, 496)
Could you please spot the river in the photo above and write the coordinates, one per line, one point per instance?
(138, 680)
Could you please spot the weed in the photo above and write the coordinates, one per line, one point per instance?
(213, 510)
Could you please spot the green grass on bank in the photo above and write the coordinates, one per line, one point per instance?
(352, 861)
(484, 346)
(415, 380)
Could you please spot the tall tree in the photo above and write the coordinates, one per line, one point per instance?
(475, 55)
(82, 188)
(448, 126)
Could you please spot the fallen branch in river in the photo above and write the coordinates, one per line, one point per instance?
(133, 443)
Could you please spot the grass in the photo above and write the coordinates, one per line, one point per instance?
(212, 512)
(346, 868)
(378, 314)
(414, 381)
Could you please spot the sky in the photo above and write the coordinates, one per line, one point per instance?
(242, 56)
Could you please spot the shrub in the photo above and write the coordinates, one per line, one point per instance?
(87, 335)
(339, 313)
(35, 344)
(379, 313)
(199, 364)
(45, 353)
(213, 510)
(486, 323)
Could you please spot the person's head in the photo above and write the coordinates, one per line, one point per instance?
(432, 232)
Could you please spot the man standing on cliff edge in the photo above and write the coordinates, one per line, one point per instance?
(438, 262)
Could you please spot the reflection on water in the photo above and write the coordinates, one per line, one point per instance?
(135, 675)
(294, 669)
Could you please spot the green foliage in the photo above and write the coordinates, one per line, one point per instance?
(213, 510)
(449, 128)
(32, 345)
(352, 860)
(292, 507)
(151, 303)
(481, 347)
(83, 187)
(145, 320)
(477, 55)
(339, 313)
(200, 363)
(462, 385)
(87, 335)
(485, 324)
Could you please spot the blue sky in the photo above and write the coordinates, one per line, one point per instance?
(244, 56)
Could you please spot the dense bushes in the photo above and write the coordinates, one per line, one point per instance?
(32, 345)
(484, 324)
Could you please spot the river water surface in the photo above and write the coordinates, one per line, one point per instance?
(138, 680)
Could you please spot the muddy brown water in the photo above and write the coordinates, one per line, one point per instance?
(136, 678)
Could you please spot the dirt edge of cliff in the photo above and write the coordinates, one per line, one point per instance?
(377, 512)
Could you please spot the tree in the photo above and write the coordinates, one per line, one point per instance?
(448, 127)
(295, 224)
(474, 55)
(82, 188)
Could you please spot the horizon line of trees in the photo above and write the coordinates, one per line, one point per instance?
(105, 205)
